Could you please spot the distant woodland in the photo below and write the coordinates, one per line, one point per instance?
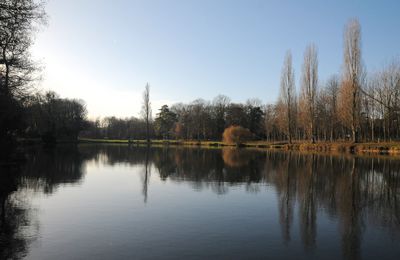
(355, 105)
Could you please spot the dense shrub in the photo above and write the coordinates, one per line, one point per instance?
(236, 135)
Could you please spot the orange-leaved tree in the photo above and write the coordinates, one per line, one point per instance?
(236, 135)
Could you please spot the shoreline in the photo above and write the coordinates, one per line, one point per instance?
(387, 148)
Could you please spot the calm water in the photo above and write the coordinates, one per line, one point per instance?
(120, 202)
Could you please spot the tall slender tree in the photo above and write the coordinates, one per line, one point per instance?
(146, 110)
(352, 72)
(288, 96)
(309, 85)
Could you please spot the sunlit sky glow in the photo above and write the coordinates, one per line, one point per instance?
(104, 52)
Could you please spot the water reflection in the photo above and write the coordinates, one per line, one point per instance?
(48, 168)
(18, 220)
(356, 192)
(352, 189)
(147, 173)
(43, 171)
(12, 217)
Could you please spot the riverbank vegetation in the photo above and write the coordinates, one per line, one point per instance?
(392, 148)
(355, 106)
(26, 112)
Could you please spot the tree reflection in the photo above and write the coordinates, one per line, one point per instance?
(48, 168)
(44, 170)
(351, 189)
(308, 208)
(344, 187)
(357, 191)
(147, 172)
(234, 157)
(14, 216)
(286, 193)
(350, 206)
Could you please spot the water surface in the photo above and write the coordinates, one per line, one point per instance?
(120, 202)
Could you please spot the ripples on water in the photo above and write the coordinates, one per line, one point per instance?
(115, 201)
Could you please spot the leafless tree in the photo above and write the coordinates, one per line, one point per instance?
(19, 19)
(388, 93)
(352, 73)
(332, 92)
(220, 104)
(309, 84)
(146, 110)
(288, 96)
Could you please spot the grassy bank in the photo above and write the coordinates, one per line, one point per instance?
(345, 147)
(380, 148)
(156, 142)
(255, 144)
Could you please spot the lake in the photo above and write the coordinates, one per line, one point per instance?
(126, 202)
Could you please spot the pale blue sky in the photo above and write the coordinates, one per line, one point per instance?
(105, 51)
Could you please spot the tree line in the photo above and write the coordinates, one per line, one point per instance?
(353, 105)
(24, 111)
(197, 120)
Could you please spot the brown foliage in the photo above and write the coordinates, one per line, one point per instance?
(236, 135)
(349, 105)
(352, 75)
(235, 157)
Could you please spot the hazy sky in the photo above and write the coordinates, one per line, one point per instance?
(104, 52)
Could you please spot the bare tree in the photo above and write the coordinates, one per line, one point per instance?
(373, 109)
(352, 72)
(146, 110)
(18, 21)
(220, 104)
(332, 92)
(288, 96)
(309, 84)
(387, 86)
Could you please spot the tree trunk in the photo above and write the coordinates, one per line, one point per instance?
(354, 134)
